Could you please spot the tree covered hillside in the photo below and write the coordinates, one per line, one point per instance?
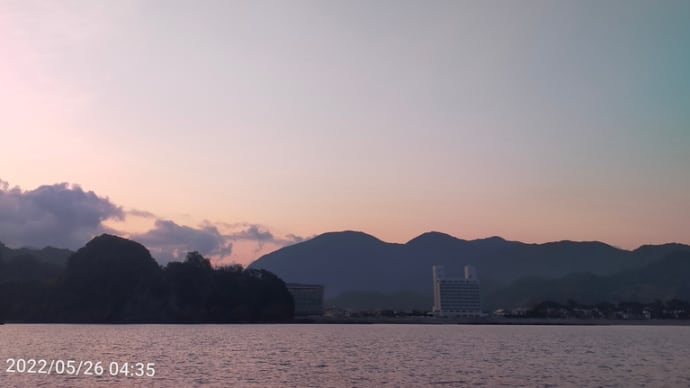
(115, 280)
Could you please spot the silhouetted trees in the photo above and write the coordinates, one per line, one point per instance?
(203, 294)
(26, 287)
(114, 280)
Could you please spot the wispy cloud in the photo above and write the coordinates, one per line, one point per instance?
(254, 233)
(258, 233)
(169, 241)
(140, 213)
(294, 239)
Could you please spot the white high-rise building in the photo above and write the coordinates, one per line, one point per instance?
(459, 297)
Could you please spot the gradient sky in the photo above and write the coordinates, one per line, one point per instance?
(531, 120)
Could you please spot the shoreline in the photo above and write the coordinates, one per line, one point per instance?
(492, 321)
(316, 320)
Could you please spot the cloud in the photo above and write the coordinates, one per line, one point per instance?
(262, 235)
(60, 215)
(66, 216)
(253, 232)
(140, 213)
(293, 239)
(256, 232)
(250, 239)
(169, 241)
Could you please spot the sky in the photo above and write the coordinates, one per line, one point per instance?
(235, 128)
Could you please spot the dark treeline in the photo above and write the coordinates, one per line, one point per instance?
(671, 309)
(114, 280)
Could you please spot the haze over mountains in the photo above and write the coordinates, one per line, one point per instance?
(359, 269)
(661, 280)
(57, 256)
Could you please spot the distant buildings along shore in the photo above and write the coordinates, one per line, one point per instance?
(308, 299)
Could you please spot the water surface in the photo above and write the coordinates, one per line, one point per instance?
(358, 355)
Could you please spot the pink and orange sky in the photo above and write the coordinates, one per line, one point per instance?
(235, 128)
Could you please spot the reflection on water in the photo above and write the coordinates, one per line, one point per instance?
(358, 355)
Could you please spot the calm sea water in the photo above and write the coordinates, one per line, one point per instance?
(356, 355)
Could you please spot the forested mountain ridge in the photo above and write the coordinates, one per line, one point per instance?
(664, 279)
(349, 261)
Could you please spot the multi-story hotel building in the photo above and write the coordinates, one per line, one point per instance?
(458, 297)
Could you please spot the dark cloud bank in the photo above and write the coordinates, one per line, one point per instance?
(66, 216)
(59, 215)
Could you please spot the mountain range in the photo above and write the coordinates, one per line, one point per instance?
(50, 255)
(358, 269)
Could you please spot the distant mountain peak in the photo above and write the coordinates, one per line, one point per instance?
(111, 251)
(349, 234)
(492, 238)
(571, 243)
(434, 236)
(57, 256)
(672, 245)
(106, 242)
(431, 237)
